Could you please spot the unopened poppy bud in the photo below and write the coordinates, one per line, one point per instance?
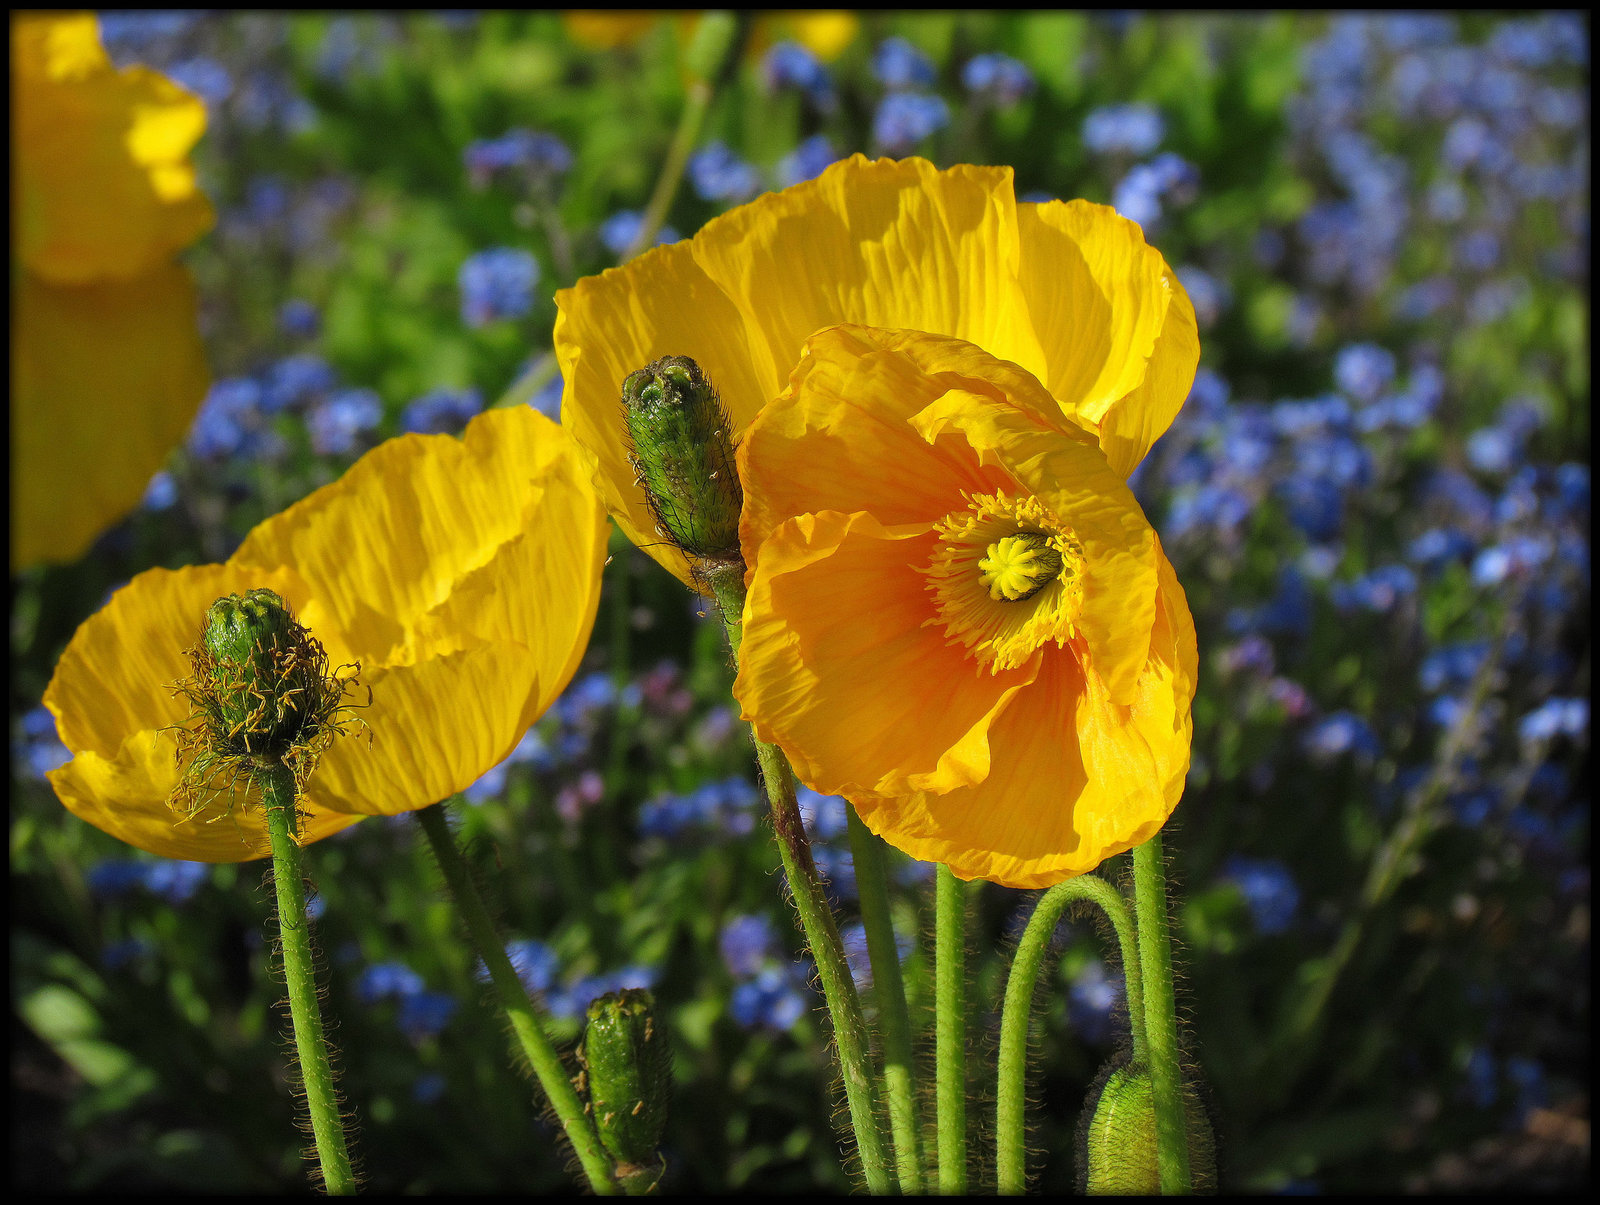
(1117, 1137)
(261, 695)
(629, 1070)
(683, 457)
(266, 677)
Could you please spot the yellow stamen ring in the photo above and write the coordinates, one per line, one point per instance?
(1006, 576)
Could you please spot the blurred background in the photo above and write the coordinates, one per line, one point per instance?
(1377, 498)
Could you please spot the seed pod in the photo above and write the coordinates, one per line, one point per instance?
(683, 456)
(629, 1070)
(1117, 1136)
(266, 676)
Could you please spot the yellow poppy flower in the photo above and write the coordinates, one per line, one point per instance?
(1069, 291)
(107, 367)
(1072, 310)
(463, 576)
(958, 616)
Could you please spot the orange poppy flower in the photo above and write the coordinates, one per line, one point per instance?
(958, 616)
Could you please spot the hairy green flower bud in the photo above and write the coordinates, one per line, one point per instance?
(683, 456)
(1117, 1136)
(629, 1070)
(266, 677)
(261, 696)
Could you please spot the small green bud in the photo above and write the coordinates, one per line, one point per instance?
(683, 456)
(629, 1070)
(267, 681)
(1117, 1137)
(714, 36)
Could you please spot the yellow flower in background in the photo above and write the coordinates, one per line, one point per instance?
(824, 32)
(958, 616)
(1069, 291)
(107, 369)
(462, 575)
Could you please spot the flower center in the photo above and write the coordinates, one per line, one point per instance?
(1007, 576)
(1018, 567)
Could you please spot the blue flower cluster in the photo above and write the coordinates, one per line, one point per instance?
(167, 879)
(531, 154)
(725, 808)
(497, 284)
(771, 991)
(539, 968)
(790, 65)
(421, 1014)
(441, 411)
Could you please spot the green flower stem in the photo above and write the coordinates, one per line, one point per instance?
(1011, 1160)
(816, 919)
(696, 105)
(1160, 1016)
(899, 1081)
(525, 1026)
(950, 1029)
(299, 973)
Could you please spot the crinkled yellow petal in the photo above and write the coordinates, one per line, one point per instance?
(838, 668)
(436, 725)
(429, 544)
(107, 377)
(660, 304)
(126, 797)
(880, 243)
(111, 696)
(1099, 298)
(1131, 426)
(102, 187)
(839, 437)
(1074, 778)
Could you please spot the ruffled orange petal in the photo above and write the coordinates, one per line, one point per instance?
(838, 668)
(106, 375)
(1101, 299)
(839, 438)
(1074, 778)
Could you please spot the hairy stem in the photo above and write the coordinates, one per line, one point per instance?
(1161, 1019)
(899, 1079)
(817, 921)
(526, 1028)
(950, 1029)
(1011, 1160)
(300, 976)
